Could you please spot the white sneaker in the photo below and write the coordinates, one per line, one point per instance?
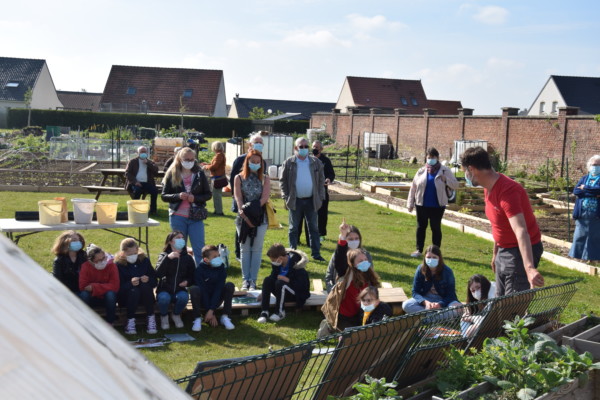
(245, 285)
(164, 322)
(263, 317)
(197, 325)
(252, 285)
(177, 320)
(130, 328)
(277, 317)
(151, 326)
(416, 254)
(226, 322)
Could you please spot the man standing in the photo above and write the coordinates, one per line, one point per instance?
(302, 186)
(139, 177)
(317, 150)
(517, 238)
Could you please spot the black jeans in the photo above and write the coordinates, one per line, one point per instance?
(433, 216)
(275, 286)
(226, 299)
(142, 294)
(322, 215)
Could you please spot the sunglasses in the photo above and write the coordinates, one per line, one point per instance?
(303, 147)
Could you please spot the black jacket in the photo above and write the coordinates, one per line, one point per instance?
(200, 189)
(171, 272)
(67, 271)
(256, 215)
(328, 170)
(297, 275)
(382, 311)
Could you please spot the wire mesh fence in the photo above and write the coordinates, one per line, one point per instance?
(80, 148)
(407, 349)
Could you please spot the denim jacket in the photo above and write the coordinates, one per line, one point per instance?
(445, 287)
(587, 191)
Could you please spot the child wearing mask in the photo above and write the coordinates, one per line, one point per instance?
(70, 256)
(211, 290)
(138, 280)
(478, 288)
(433, 284)
(350, 238)
(288, 282)
(175, 272)
(372, 310)
(99, 282)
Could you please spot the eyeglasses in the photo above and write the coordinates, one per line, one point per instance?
(303, 147)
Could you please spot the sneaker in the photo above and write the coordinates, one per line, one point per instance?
(130, 328)
(318, 258)
(238, 259)
(151, 326)
(252, 285)
(277, 317)
(245, 285)
(416, 254)
(164, 322)
(226, 322)
(197, 325)
(263, 317)
(177, 320)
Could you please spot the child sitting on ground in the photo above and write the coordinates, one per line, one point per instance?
(138, 280)
(211, 290)
(70, 256)
(478, 288)
(288, 282)
(372, 310)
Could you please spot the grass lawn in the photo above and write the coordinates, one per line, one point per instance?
(389, 236)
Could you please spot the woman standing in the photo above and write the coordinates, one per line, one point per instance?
(586, 239)
(217, 175)
(251, 190)
(428, 192)
(186, 189)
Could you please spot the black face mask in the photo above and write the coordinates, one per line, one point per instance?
(315, 152)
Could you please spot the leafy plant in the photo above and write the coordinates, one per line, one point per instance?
(465, 210)
(373, 389)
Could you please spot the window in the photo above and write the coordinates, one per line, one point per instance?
(131, 90)
(414, 101)
(404, 101)
(554, 107)
(12, 84)
(542, 105)
(187, 93)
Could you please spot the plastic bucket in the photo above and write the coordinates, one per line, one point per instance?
(106, 213)
(65, 213)
(50, 211)
(137, 211)
(273, 172)
(83, 210)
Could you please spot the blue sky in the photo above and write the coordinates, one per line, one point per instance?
(486, 54)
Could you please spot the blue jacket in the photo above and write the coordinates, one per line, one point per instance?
(141, 267)
(587, 191)
(211, 281)
(445, 287)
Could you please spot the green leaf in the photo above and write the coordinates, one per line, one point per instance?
(526, 394)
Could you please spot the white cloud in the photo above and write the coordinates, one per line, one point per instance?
(501, 63)
(320, 38)
(363, 23)
(491, 15)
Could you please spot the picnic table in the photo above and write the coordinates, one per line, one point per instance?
(119, 173)
(15, 230)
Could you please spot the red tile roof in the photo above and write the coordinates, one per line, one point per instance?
(161, 88)
(388, 93)
(445, 107)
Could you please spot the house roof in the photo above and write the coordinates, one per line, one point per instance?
(579, 91)
(387, 93)
(305, 108)
(162, 88)
(284, 116)
(79, 100)
(17, 75)
(445, 107)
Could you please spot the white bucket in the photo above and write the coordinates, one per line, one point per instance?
(137, 211)
(273, 172)
(50, 211)
(106, 213)
(83, 210)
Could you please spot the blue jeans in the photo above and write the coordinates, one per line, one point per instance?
(145, 188)
(304, 207)
(109, 301)
(193, 229)
(165, 298)
(252, 255)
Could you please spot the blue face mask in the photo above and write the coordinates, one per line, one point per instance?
(75, 246)
(595, 170)
(363, 266)
(216, 262)
(179, 243)
(432, 161)
(143, 156)
(468, 179)
(303, 152)
(432, 262)
(368, 308)
(258, 147)
(254, 167)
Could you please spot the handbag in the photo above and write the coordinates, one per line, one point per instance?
(220, 182)
(271, 217)
(451, 193)
(198, 213)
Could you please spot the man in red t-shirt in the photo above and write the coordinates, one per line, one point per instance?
(517, 238)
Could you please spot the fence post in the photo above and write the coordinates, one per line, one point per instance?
(348, 157)
(547, 174)
(568, 203)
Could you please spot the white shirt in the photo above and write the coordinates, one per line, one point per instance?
(304, 184)
(142, 175)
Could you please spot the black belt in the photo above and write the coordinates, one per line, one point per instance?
(304, 198)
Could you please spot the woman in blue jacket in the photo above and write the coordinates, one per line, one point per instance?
(586, 239)
(433, 286)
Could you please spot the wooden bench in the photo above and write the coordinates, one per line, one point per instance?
(99, 189)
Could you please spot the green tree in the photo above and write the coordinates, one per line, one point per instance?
(259, 113)
(27, 97)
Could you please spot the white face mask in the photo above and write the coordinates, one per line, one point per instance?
(101, 265)
(353, 244)
(188, 164)
(476, 294)
(132, 259)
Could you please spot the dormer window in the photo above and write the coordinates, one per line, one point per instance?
(404, 101)
(12, 84)
(187, 93)
(414, 101)
(131, 90)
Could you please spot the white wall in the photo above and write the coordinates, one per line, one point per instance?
(345, 100)
(44, 92)
(548, 95)
(221, 104)
(233, 112)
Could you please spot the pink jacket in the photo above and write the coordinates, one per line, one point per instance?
(417, 189)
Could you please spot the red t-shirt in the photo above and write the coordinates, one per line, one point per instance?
(507, 199)
(350, 306)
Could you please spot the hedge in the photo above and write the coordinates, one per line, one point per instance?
(101, 121)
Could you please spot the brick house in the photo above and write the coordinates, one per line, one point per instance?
(568, 91)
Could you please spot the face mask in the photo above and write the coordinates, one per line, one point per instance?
(315, 152)
(132, 259)
(276, 263)
(368, 308)
(476, 294)
(254, 167)
(216, 262)
(468, 179)
(353, 244)
(179, 243)
(101, 265)
(75, 246)
(188, 164)
(595, 170)
(363, 266)
(302, 152)
(432, 262)
(143, 156)
(258, 147)
(432, 161)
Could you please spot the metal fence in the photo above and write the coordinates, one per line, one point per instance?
(80, 148)
(407, 349)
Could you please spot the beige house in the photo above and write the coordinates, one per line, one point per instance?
(568, 91)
